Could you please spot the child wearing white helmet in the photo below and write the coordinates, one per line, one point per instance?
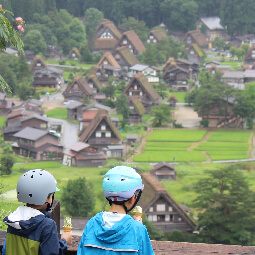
(30, 229)
(115, 232)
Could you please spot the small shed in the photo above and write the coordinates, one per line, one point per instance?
(131, 138)
(75, 110)
(164, 171)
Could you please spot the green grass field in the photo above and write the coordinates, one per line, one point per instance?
(228, 136)
(169, 156)
(58, 113)
(166, 146)
(176, 135)
(2, 120)
(179, 95)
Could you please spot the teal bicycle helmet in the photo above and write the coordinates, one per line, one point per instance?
(121, 183)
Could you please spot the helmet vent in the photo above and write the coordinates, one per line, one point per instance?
(30, 195)
(123, 179)
(32, 176)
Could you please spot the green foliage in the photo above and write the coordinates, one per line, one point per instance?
(204, 122)
(110, 87)
(35, 42)
(161, 114)
(154, 232)
(78, 198)
(218, 43)
(93, 17)
(138, 26)
(122, 106)
(7, 161)
(223, 197)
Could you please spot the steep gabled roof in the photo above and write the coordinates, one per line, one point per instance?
(138, 105)
(135, 40)
(198, 37)
(110, 25)
(150, 91)
(110, 59)
(128, 56)
(92, 70)
(163, 163)
(212, 23)
(197, 50)
(101, 115)
(105, 43)
(95, 81)
(159, 34)
(249, 53)
(82, 83)
(76, 51)
(153, 190)
(38, 59)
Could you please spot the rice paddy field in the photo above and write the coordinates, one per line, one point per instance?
(195, 146)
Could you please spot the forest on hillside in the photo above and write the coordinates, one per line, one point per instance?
(177, 15)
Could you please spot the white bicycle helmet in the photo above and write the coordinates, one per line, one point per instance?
(34, 186)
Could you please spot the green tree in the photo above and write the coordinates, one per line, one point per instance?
(7, 161)
(244, 103)
(110, 87)
(222, 197)
(180, 14)
(218, 43)
(93, 18)
(35, 42)
(122, 106)
(149, 55)
(78, 198)
(161, 114)
(138, 26)
(11, 36)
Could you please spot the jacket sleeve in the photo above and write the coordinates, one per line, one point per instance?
(81, 248)
(3, 250)
(145, 243)
(50, 244)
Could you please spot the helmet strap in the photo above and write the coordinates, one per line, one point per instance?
(49, 205)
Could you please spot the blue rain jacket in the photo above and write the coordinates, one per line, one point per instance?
(32, 232)
(125, 237)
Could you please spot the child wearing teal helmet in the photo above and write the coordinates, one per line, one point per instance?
(115, 232)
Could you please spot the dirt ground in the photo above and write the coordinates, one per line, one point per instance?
(186, 116)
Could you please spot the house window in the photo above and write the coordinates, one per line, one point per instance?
(161, 218)
(154, 217)
(170, 209)
(191, 52)
(167, 217)
(132, 50)
(131, 107)
(148, 41)
(98, 134)
(38, 64)
(105, 62)
(154, 40)
(179, 219)
(108, 134)
(140, 93)
(124, 41)
(150, 217)
(135, 87)
(213, 71)
(161, 207)
(151, 37)
(73, 54)
(129, 46)
(151, 209)
(130, 93)
(184, 82)
(103, 127)
(117, 56)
